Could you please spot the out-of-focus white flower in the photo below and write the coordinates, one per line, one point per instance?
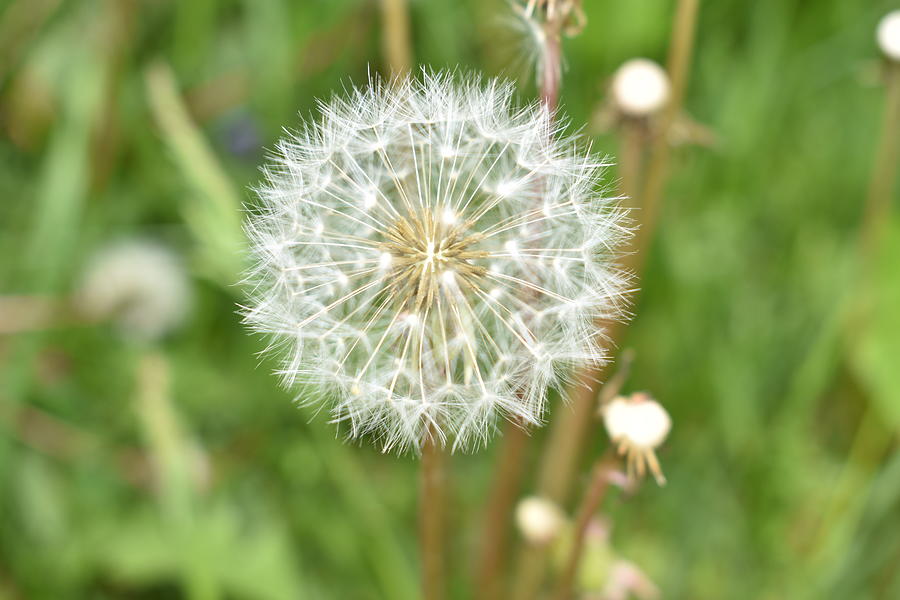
(640, 87)
(638, 425)
(889, 35)
(140, 285)
(433, 256)
(540, 521)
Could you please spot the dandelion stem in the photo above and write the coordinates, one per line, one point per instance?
(395, 36)
(631, 152)
(884, 175)
(551, 73)
(591, 501)
(431, 519)
(678, 68)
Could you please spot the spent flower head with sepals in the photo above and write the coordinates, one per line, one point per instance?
(433, 257)
(637, 424)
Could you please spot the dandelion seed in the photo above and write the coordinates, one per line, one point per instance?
(421, 313)
(638, 425)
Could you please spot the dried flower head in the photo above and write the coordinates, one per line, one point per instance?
(539, 521)
(434, 257)
(640, 87)
(140, 285)
(541, 24)
(889, 35)
(638, 424)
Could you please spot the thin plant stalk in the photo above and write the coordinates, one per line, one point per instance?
(884, 174)
(591, 501)
(631, 153)
(492, 557)
(431, 519)
(571, 427)
(551, 71)
(395, 40)
(678, 67)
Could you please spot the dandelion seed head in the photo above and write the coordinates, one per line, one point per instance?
(436, 307)
(140, 285)
(640, 87)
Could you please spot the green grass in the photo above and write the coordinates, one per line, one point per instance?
(745, 328)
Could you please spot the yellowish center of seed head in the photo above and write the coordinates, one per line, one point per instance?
(426, 249)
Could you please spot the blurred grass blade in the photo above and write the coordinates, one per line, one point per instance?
(213, 210)
(172, 457)
(49, 245)
(393, 569)
(879, 347)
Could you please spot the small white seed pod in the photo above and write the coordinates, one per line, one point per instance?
(640, 87)
(889, 35)
(539, 520)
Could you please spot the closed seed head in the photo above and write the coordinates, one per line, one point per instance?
(640, 87)
(433, 257)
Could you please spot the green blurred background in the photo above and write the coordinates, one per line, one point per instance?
(178, 468)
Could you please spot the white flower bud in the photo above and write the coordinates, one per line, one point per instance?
(539, 520)
(640, 87)
(889, 35)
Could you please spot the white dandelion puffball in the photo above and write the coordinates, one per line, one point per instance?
(640, 87)
(430, 257)
(638, 424)
(539, 521)
(889, 35)
(140, 285)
